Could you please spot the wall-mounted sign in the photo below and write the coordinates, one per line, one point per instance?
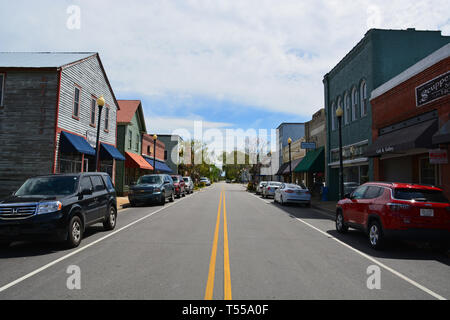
(91, 138)
(385, 150)
(308, 145)
(438, 156)
(433, 89)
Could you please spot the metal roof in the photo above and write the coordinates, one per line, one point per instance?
(41, 59)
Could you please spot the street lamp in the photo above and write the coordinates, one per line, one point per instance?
(339, 114)
(155, 137)
(100, 103)
(290, 167)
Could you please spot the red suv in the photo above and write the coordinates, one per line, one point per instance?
(385, 210)
(180, 186)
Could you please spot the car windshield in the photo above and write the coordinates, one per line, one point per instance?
(49, 186)
(276, 184)
(150, 180)
(175, 179)
(423, 195)
(186, 179)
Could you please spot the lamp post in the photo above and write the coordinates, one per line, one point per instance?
(100, 103)
(155, 137)
(339, 114)
(290, 167)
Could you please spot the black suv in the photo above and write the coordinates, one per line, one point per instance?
(152, 188)
(58, 207)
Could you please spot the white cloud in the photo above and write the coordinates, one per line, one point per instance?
(270, 54)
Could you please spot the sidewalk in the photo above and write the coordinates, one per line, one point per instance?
(122, 203)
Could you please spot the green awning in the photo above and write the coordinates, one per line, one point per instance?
(314, 161)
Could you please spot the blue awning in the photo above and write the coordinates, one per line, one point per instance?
(108, 151)
(69, 142)
(160, 166)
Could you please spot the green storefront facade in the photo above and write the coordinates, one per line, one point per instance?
(378, 57)
(130, 128)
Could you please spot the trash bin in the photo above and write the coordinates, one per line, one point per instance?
(325, 193)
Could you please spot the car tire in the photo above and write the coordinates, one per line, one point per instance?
(111, 220)
(75, 232)
(172, 198)
(184, 193)
(282, 201)
(340, 224)
(375, 235)
(162, 201)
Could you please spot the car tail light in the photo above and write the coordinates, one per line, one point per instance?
(268, 188)
(398, 206)
(289, 191)
(307, 192)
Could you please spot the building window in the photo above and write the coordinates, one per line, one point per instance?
(333, 116)
(363, 95)
(2, 86)
(354, 104)
(107, 118)
(347, 108)
(130, 139)
(76, 102)
(165, 154)
(93, 105)
(148, 150)
(137, 142)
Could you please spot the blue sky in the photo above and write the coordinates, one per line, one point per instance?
(232, 64)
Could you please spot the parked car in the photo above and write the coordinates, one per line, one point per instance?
(152, 188)
(205, 180)
(58, 207)
(293, 193)
(390, 210)
(189, 184)
(260, 186)
(269, 189)
(180, 186)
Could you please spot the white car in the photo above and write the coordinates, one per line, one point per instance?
(293, 193)
(260, 187)
(206, 181)
(189, 184)
(269, 189)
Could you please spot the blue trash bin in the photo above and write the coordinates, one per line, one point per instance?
(325, 193)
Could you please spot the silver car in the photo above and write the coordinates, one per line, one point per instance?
(269, 189)
(293, 193)
(189, 184)
(260, 186)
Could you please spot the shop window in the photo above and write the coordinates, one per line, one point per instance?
(429, 173)
(70, 163)
(2, 87)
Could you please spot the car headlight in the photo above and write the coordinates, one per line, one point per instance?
(157, 190)
(47, 207)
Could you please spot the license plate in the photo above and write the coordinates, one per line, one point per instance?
(426, 212)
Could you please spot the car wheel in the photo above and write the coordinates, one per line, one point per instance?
(110, 221)
(375, 234)
(162, 201)
(340, 224)
(172, 198)
(75, 232)
(184, 193)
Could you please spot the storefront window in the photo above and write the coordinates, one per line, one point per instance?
(428, 172)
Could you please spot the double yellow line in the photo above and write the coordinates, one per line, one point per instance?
(226, 255)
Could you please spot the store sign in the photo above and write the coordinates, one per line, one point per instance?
(91, 138)
(433, 89)
(438, 156)
(385, 150)
(308, 145)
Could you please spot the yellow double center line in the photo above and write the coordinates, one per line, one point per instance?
(226, 255)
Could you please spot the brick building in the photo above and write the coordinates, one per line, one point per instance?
(410, 124)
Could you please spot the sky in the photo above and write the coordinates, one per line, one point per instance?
(231, 64)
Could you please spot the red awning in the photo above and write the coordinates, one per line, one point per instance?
(134, 160)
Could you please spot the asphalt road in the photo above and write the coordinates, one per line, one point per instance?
(222, 243)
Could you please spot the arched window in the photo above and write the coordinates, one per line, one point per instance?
(347, 108)
(333, 116)
(354, 103)
(363, 95)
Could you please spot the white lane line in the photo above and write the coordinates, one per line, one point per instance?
(398, 274)
(29, 275)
